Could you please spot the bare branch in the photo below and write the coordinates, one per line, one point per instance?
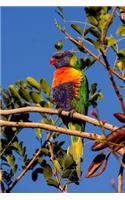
(55, 173)
(91, 136)
(63, 113)
(120, 175)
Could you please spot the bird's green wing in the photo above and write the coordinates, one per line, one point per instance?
(81, 105)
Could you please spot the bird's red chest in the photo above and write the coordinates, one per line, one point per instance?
(66, 86)
(66, 75)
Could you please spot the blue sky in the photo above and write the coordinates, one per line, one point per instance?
(28, 38)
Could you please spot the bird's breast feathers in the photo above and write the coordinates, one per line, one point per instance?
(65, 75)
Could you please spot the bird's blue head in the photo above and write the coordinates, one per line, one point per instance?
(64, 58)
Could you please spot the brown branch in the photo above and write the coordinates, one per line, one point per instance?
(84, 48)
(24, 170)
(56, 129)
(55, 173)
(113, 83)
(120, 176)
(91, 136)
(55, 112)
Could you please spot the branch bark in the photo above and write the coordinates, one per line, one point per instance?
(63, 113)
(120, 176)
(92, 136)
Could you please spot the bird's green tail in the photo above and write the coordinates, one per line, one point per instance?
(76, 147)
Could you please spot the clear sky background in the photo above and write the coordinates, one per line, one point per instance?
(28, 38)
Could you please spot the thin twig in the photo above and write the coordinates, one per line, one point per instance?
(55, 173)
(55, 112)
(113, 83)
(114, 185)
(24, 170)
(120, 176)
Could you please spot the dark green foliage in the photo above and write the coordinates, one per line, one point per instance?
(77, 28)
(23, 93)
(95, 95)
(121, 30)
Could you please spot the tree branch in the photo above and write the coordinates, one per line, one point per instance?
(24, 170)
(63, 113)
(55, 173)
(84, 48)
(120, 176)
(92, 136)
(118, 94)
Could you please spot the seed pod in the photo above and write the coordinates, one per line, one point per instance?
(114, 140)
(120, 117)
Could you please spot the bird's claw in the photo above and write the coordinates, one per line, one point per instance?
(71, 113)
(60, 112)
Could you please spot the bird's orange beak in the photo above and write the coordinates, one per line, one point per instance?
(52, 61)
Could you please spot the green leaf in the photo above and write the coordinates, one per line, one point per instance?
(45, 151)
(66, 173)
(120, 66)
(93, 42)
(122, 51)
(59, 27)
(60, 12)
(68, 161)
(86, 62)
(121, 30)
(74, 177)
(39, 133)
(35, 173)
(45, 86)
(96, 96)
(59, 45)
(92, 20)
(47, 171)
(111, 41)
(11, 161)
(5, 99)
(105, 22)
(31, 81)
(52, 182)
(20, 149)
(24, 93)
(14, 92)
(93, 88)
(36, 97)
(92, 31)
(57, 165)
(77, 28)
(73, 61)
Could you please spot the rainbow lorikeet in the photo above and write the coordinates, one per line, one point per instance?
(70, 93)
